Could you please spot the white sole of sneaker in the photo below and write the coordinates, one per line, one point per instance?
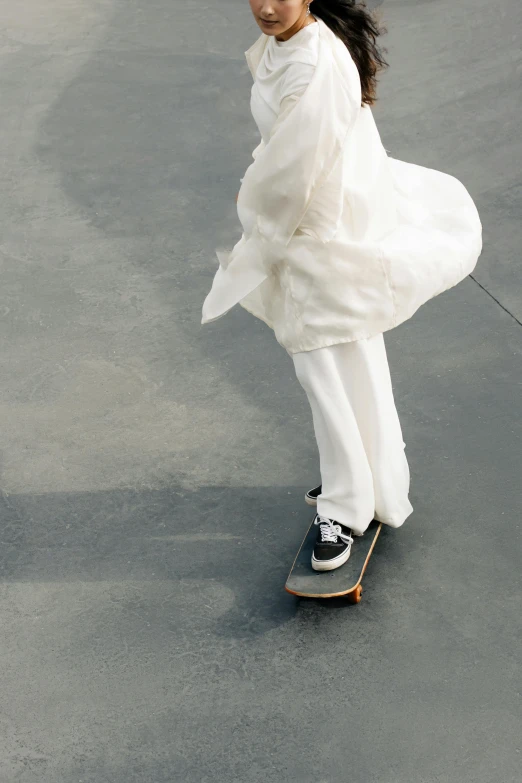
(329, 565)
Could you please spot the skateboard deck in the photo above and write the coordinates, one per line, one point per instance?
(343, 581)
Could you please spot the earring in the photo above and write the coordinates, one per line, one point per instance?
(308, 9)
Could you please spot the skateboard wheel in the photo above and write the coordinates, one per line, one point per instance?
(355, 596)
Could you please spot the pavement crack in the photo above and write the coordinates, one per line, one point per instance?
(513, 316)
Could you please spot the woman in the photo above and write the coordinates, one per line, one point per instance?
(340, 243)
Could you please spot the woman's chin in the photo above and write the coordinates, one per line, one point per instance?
(269, 29)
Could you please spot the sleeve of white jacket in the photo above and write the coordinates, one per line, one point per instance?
(294, 83)
(255, 153)
(316, 112)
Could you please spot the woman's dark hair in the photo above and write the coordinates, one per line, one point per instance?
(358, 29)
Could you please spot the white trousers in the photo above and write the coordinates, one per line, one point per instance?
(364, 470)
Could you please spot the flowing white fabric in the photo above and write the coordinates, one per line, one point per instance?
(340, 241)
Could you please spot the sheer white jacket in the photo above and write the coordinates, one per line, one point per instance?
(340, 241)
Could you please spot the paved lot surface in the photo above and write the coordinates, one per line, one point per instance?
(153, 469)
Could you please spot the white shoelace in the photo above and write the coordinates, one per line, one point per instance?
(329, 531)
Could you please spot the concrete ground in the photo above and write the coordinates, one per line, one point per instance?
(153, 470)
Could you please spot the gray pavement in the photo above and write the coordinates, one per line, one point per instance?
(152, 469)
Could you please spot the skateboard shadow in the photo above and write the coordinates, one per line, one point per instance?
(180, 560)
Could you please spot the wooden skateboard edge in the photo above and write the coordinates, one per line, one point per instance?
(343, 592)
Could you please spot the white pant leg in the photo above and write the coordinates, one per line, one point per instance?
(364, 471)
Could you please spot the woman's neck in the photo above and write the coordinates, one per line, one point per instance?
(312, 21)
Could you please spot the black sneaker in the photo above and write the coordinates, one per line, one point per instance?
(312, 495)
(333, 544)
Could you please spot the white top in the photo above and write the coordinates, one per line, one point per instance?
(285, 69)
(340, 242)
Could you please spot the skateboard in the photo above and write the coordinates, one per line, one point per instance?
(343, 581)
